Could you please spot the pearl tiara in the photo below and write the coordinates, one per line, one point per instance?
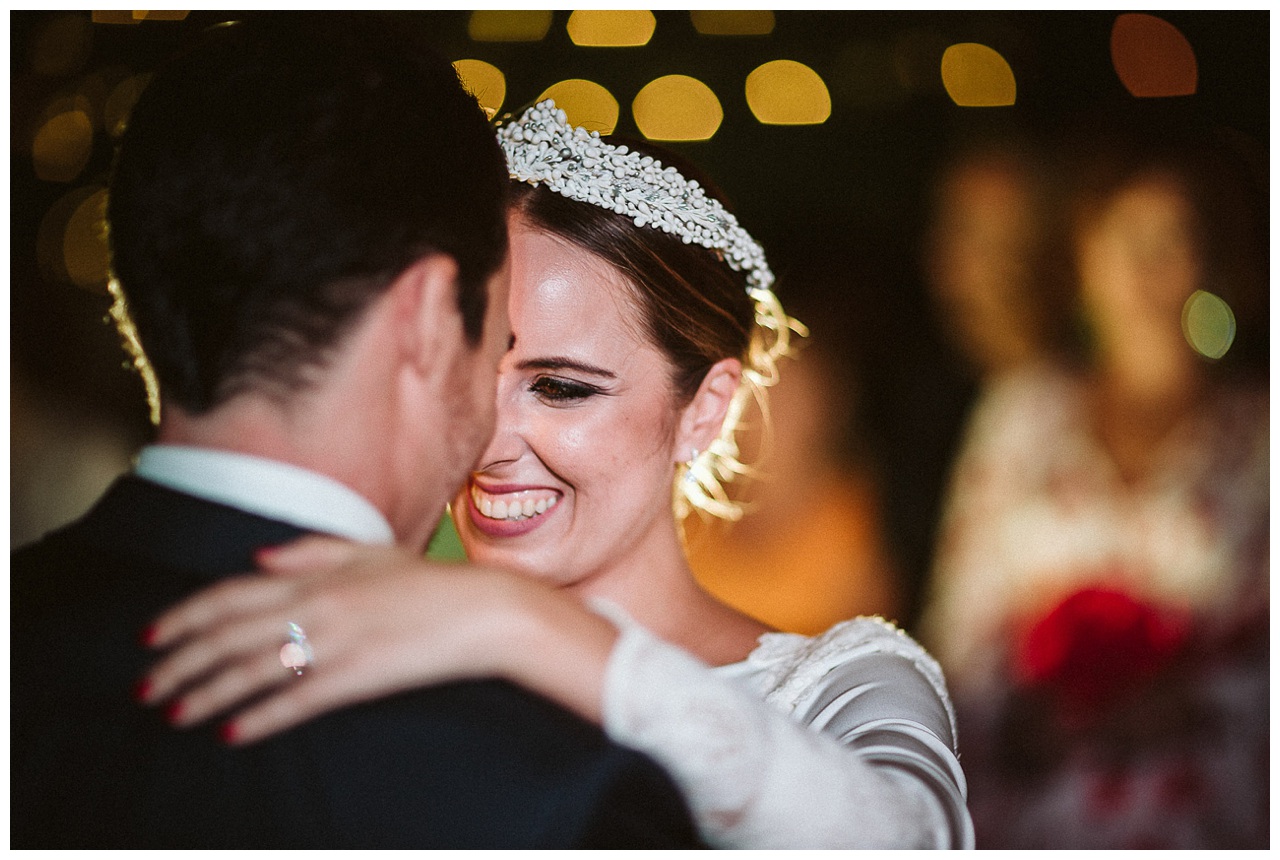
(542, 148)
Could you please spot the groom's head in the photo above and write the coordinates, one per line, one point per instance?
(276, 178)
(273, 186)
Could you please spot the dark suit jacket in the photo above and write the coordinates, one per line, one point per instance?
(462, 766)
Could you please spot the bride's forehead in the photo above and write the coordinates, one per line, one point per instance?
(564, 308)
(550, 271)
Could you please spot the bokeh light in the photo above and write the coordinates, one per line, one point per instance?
(51, 238)
(611, 28)
(115, 112)
(62, 46)
(1208, 324)
(977, 76)
(84, 243)
(1152, 57)
(784, 92)
(115, 16)
(755, 22)
(485, 81)
(63, 146)
(136, 16)
(677, 107)
(489, 25)
(585, 104)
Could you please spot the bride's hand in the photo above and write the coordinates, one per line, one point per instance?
(378, 620)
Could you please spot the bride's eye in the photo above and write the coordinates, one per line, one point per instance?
(555, 390)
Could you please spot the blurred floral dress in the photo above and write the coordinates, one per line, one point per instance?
(1107, 641)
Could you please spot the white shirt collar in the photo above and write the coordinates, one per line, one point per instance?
(269, 488)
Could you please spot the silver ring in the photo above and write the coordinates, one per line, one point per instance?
(296, 654)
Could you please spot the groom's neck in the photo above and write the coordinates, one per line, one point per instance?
(341, 444)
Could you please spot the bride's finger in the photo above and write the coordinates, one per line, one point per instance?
(230, 686)
(307, 554)
(216, 605)
(228, 643)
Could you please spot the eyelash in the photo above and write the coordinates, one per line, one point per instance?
(555, 390)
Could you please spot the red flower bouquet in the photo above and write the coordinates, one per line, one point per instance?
(1095, 648)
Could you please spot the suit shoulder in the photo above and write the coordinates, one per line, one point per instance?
(504, 768)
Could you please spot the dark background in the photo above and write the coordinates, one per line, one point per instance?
(840, 207)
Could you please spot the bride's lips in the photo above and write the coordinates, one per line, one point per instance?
(509, 510)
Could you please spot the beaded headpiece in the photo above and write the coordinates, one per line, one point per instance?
(542, 148)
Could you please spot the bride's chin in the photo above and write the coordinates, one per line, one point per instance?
(520, 565)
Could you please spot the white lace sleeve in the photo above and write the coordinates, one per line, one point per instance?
(853, 750)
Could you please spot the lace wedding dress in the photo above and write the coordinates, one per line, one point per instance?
(843, 740)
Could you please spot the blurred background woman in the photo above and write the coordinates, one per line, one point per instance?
(1101, 588)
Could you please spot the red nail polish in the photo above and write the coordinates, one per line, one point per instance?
(142, 691)
(148, 636)
(174, 712)
(227, 733)
(263, 553)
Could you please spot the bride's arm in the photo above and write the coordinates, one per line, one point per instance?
(864, 759)
(879, 773)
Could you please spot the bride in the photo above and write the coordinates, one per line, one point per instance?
(643, 322)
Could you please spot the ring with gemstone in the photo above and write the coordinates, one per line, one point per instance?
(296, 654)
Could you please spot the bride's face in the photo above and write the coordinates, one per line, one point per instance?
(578, 475)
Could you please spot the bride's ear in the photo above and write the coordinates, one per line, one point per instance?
(702, 418)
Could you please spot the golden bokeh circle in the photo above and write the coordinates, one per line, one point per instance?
(63, 146)
(785, 92)
(677, 107)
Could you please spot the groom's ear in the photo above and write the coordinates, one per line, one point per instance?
(429, 328)
(701, 420)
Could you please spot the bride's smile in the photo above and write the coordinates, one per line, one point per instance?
(508, 511)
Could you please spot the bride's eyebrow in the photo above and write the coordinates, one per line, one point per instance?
(558, 363)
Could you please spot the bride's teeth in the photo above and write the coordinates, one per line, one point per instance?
(511, 509)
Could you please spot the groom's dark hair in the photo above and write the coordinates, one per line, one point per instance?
(277, 177)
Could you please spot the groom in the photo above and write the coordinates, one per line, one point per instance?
(306, 220)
